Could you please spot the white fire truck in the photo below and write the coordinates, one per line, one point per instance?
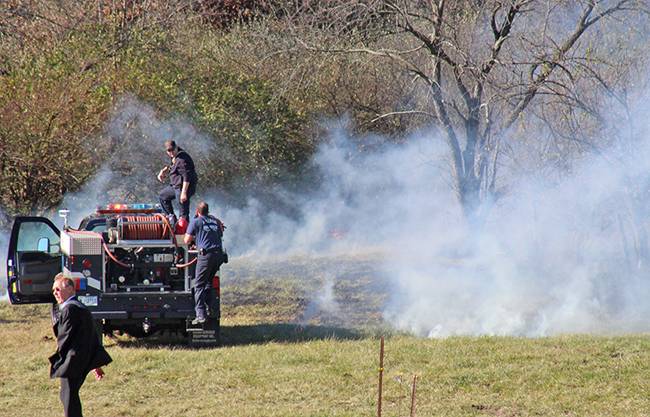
(130, 264)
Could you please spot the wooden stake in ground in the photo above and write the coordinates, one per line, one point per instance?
(381, 373)
(413, 395)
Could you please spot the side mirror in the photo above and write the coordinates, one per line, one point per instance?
(44, 245)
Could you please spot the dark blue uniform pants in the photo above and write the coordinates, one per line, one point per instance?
(206, 268)
(169, 193)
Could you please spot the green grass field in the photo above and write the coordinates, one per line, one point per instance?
(302, 338)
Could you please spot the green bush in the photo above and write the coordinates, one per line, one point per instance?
(53, 104)
(57, 97)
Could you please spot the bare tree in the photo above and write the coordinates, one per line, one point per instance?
(483, 63)
(625, 90)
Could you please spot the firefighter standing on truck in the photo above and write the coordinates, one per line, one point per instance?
(183, 179)
(207, 230)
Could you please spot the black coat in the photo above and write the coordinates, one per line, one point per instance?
(80, 350)
(181, 169)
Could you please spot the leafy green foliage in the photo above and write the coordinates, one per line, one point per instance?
(52, 105)
(58, 95)
(265, 139)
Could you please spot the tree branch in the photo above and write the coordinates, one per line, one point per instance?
(395, 113)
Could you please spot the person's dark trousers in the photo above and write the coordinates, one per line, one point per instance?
(70, 396)
(169, 193)
(206, 268)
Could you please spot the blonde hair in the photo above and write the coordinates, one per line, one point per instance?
(67, 281)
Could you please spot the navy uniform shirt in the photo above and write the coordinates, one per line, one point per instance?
(207, 232)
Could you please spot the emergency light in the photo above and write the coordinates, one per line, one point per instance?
(128, 208)
(80, 283)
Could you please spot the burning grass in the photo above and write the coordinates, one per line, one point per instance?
(344, 291)
(302, 339)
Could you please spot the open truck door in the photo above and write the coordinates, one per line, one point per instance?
(33, 260)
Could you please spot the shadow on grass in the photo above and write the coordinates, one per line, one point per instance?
(248, 335)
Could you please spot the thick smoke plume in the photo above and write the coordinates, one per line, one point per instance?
(549, 260)
(133, 143)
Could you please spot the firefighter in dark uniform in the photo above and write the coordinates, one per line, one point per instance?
(182, 178)
(207, 231)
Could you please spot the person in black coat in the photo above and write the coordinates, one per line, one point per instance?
(79, 347)
(182, 178)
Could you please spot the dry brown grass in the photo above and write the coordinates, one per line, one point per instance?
(279, 361)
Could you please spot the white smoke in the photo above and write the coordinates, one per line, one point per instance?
(550, 260)
(323, 301)
(134, 142)
(370, 198)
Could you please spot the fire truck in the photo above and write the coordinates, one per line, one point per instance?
(130, 264)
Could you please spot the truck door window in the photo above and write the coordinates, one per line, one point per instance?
(32, 236)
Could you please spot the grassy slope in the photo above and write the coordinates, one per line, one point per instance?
(287, 355)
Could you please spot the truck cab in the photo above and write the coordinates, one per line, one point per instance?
(130, 264)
